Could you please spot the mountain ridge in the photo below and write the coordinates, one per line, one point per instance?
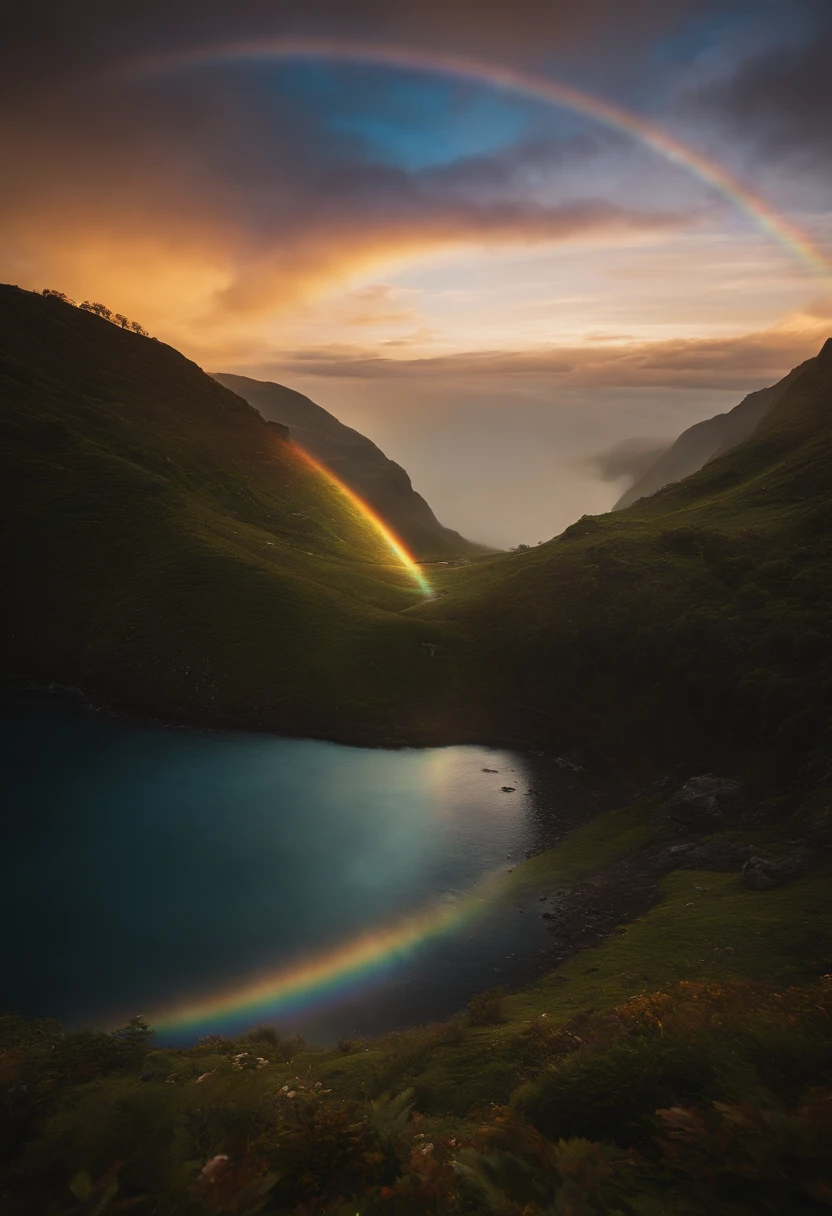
(170, 556)
(358, 462)
(707, 440)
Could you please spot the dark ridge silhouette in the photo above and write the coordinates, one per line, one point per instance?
(706, 440)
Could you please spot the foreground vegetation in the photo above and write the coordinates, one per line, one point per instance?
(683, 1066)
(690, 1096)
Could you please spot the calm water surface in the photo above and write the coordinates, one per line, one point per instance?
(141, 865)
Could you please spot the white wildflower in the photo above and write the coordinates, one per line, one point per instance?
(213, 1166)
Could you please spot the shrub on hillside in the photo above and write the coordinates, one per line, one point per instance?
(613, 1094)
(486, 1008)
(269, 1040)
(695, 1043)
(748, 1157)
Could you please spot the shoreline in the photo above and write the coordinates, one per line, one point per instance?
(367, 737)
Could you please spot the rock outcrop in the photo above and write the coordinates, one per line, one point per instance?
(702, 802)
(762, 873)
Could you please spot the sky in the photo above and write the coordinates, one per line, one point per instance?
(516, 244)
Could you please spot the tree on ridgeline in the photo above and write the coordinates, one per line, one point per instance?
(136, 1032)
(58, 295)
(99, 310)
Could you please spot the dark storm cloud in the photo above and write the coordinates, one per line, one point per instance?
(64, 68)
(53, 40)
(779, 100)
(223, 171)
(228, 167)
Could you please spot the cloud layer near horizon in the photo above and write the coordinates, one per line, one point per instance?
(714, 363)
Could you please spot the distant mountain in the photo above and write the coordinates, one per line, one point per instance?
(707, 440)
(357, 461)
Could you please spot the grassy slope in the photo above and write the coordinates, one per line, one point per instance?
(171, 551)
(707, 927)
(704, 440)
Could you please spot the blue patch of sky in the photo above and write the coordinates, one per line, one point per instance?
(416, 120)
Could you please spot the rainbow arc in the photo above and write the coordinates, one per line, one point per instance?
(524, 84)
(395, 545)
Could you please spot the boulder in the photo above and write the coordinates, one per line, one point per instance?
(818, 827)
(762, 873)
(695, 856)
(662, 785)
(765, 812)
(700, 858)
(702, 801)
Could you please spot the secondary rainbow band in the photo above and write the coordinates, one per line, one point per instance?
(395, 545)
(336, 973)
(540, 88)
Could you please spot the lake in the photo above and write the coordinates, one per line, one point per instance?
(248, 878)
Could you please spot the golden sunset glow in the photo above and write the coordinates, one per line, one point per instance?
(415, 234)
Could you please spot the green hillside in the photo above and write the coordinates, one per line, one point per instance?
(705, 440)
(170, 551)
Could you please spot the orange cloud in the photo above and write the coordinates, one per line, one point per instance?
(704, 363)
(198, 282)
